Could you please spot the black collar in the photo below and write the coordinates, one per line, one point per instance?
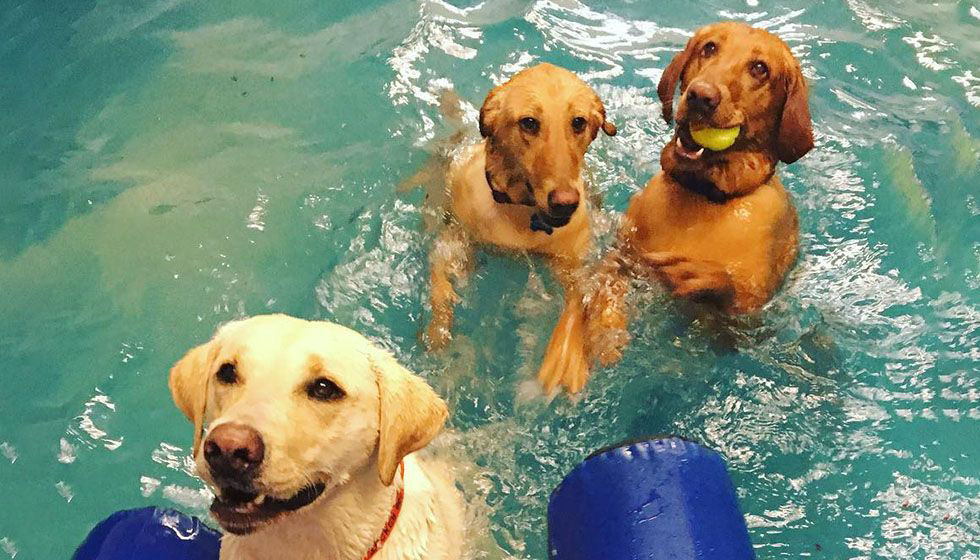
(538, 222)
(698, 185)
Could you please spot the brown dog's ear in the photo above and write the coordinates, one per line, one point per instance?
(189, 387)
(489, 112)
(411, 414)
(670, 77)
(795, 136)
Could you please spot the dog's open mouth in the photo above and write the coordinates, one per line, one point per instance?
(241, 512)
(685, 146)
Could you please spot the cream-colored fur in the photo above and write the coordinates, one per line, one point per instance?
(353, 444)
(525, 166)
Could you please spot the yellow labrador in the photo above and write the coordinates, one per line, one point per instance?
(306, 433)
(521, 188)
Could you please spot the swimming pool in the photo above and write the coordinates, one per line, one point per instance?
(170, 166)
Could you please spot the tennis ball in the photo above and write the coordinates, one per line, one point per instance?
(716, 139)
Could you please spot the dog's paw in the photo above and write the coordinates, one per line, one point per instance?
(608, 334)
(438, 333)
(608, 346)
(437, 336)
(566, 368)
(701, 281)
(566, 361)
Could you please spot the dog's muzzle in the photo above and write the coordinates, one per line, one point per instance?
(242, 513)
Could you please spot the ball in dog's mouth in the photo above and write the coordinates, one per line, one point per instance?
(242, 513)
(693, 139)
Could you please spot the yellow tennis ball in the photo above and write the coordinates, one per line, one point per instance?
(716, 139)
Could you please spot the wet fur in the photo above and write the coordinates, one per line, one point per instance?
(352, 445)
(721, 229)
(524, 168)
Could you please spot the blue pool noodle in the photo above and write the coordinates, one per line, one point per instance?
(662, 499)
(667, 498)
(150, 533)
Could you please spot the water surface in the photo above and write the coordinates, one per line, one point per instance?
(171, 165)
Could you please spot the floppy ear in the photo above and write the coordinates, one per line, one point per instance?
(600, 111)
(189, 387)
(489, 111)
(410, 417)
(670, 77)
(795, 136)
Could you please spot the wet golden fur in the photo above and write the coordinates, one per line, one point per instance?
(497, 186)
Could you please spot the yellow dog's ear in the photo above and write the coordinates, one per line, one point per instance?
(795, 136)
(672, 74)
(189, 387)
(411, 414)
(600, 113)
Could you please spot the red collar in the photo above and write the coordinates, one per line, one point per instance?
(392, 518)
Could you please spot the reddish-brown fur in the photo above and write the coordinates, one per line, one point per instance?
(719, 227)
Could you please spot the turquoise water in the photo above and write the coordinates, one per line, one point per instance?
(170, 165)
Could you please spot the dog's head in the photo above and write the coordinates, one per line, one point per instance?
(733, 75)
(538, 126)
(293, 410)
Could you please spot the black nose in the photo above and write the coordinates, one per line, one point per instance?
(703, 97)
(563, 202)
(234, 452)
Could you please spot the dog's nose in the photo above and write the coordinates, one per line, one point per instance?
(562, 202)
(703, 97)
(234, 452)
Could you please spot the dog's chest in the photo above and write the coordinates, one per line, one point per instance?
(676, 221)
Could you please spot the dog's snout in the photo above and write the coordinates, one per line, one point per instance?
(703, 97)
(234, 451)
(563, 202)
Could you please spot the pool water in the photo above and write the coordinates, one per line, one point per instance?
(168, 165)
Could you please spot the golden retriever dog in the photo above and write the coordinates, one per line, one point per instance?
(521, 188)
(306, 432)
(715, 227)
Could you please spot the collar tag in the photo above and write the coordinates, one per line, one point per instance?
(538, 224)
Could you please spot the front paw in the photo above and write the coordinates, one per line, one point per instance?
(700, 281)
(566, 362)
(564, 366)
(438, 334)
(608, 334)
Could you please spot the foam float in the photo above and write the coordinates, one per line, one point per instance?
(662, 499)
(665, 498)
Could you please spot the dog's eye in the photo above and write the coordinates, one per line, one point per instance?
(530, 125)
(709, 49)
(227, 374)
(759, 70)
(578, 124)
(322, 389)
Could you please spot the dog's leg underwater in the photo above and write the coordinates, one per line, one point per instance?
(449, 260)
(566, 360)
